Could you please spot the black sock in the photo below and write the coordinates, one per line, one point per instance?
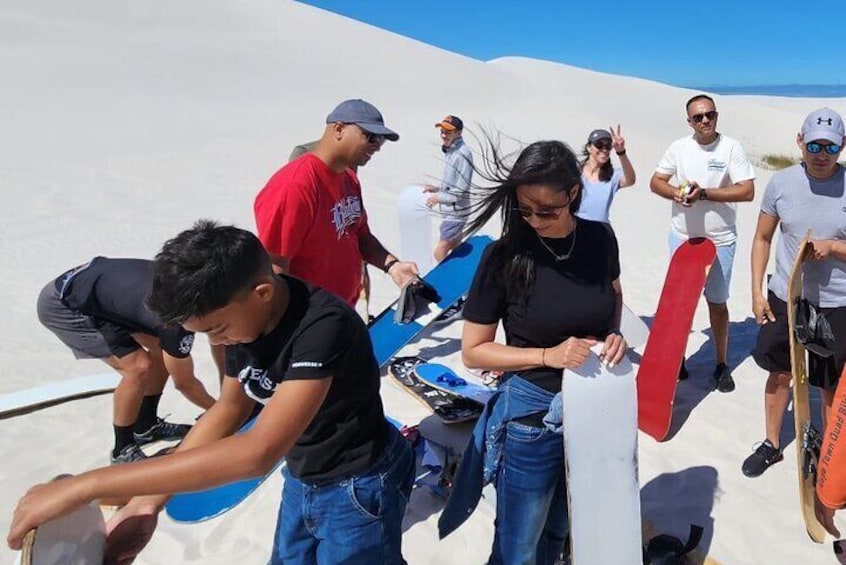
(123, 437)
(147, 414)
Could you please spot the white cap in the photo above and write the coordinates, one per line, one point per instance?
(825, 124)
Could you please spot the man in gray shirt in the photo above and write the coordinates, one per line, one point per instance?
(802, 197)
(453, 196)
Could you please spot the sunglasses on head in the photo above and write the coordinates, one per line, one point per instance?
(697, 118)
(815, 147)
(602, 145)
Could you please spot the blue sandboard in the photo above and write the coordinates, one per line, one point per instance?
(445, 379)
(206, 504)
(451, 278)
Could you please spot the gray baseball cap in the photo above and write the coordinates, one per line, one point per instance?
(364, 115)
(824, 123)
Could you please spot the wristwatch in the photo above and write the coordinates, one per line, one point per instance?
(703, 194)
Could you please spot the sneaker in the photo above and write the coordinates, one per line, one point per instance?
(764, 456)
(452, 313)
(162, 430)
(725, 383)
(128, 454)
(683, 372)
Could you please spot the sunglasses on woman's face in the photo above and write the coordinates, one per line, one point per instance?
(814, 147)
(549, 214)
(602, 145)
(697, 118)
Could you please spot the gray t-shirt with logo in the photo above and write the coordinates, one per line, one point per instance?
(802, 203)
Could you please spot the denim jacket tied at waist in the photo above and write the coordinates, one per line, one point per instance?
(515, 399)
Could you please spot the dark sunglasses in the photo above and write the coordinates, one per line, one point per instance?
(549, 214)
(372, 138)
(697, 118)
(831, 148)
(602, 145)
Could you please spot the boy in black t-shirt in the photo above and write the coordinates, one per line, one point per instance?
(97, 310)
(306, 356)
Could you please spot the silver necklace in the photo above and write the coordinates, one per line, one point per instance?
(559, 258)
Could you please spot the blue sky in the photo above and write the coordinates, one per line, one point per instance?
(684, 43)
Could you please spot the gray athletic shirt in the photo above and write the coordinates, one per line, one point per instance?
(802, 203)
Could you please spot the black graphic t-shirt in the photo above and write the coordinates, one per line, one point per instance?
(320, 336)
(114, 290)
(569, 298)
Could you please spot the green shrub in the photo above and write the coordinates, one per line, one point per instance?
(778, 162)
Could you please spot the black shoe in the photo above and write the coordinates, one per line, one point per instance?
(128, 454)
(683, 372)
(725, 382)
(162, 430)
(764, 456)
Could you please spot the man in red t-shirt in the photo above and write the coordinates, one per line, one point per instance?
(310, 215)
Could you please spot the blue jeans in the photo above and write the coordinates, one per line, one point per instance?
(355, 520)
(531, 524)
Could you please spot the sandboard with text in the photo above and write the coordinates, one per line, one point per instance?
(807, 436)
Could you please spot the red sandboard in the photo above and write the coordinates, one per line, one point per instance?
(664, 351)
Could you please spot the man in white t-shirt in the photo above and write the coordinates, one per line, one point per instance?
(711, 173)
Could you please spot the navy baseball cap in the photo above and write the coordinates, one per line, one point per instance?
(598, 134)
(364, 115)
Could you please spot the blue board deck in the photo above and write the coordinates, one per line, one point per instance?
(443, 378)
(451, 278)
(206, 504)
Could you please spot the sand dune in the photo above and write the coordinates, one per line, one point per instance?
(123, 122)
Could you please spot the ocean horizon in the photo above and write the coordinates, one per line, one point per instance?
(790, 90)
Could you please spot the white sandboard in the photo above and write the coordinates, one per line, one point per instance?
(76, 539)
(416, 228)
(23, 401)
(633, 329)
(600, 449)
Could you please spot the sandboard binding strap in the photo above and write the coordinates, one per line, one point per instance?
(665, 549)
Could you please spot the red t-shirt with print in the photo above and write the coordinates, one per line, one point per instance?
(314, 218)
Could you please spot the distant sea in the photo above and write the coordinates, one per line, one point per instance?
(792, 90)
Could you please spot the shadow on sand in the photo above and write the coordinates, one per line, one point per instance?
(671, 502)
(700, 367)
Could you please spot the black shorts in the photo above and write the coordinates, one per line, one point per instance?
(772, 348)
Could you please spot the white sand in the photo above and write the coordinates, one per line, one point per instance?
(124, 122)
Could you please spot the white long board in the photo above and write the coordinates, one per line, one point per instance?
(633, 329)
(22, 401)
(416, 228)
(600, 450)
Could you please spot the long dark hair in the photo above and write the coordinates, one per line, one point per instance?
(606, 170)
(550, 163)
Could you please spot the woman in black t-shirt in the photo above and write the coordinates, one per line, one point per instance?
(553, 282)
